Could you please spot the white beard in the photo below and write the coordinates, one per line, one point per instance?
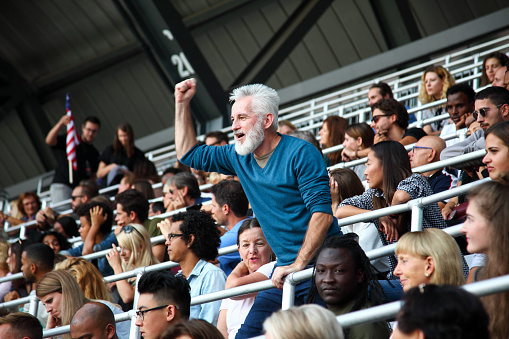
(254, 138)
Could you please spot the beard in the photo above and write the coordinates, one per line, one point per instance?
(254, 138)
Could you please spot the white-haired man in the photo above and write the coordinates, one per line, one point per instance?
(284, 178)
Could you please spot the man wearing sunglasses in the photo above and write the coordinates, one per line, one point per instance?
(491, 106)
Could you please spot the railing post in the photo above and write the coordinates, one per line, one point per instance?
(34, 306)
(135, 330)
(288, 292)
(417, 215)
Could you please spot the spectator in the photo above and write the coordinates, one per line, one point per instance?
(256, 265)
(62, 297)
(487, 233)
(216, 138)
(119, 157)
(145, 169)
(428, 257)
(192, 239)
(87, 276)
(28, 205)
(182, 190)
(460, 105)
(434, 84)
(168, 173)
(132, 208)
(94, 320)
(391, 182)
(55, 240)
(192, 329)
(506, 79)
(167, 299)
(286, 127)
(67, 227)
(19, 287)
(346, 282)
(441, 312)
(96, 221)
(344, 184)
(492, 106)
(379, 91)
(269, 166)
(332, 134)
(357, 138)
(426, 151)
(87, 158)
(498, 79)
(126, 183)
(229, 208)
(20, 325)
(5, 286)
(145, 187)
(135, 252)
(303, 322)
(156, 208)
(492, 62)
(497, 150)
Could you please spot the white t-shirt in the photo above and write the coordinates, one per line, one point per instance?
(237, 310)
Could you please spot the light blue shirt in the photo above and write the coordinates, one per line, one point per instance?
(228, 262)
(206, 278)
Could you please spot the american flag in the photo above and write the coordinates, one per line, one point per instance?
(73, 139)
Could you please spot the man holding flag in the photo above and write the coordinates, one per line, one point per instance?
(78, 159)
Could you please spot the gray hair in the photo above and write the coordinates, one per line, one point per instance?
(186, 179)
(308, 136)
(264, 100)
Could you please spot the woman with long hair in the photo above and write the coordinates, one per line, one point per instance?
(492, 62)
(256, 265)
(428, 257)
(497, 150)
(62, 297)
(19, 287)
(119, 157)
(5, 287)
(135, 251)
(55, 240)
(28, 205)
(331, 134)
(66, 226)
(391, 182)
(434, 84)
(487, 233)
(357, 137)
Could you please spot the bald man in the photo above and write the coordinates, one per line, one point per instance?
(93, 320)
(498, 80)
(426, 151)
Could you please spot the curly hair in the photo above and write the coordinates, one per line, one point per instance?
(203, 227)
(442, 74)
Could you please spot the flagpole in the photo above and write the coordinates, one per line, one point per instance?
(69, 162)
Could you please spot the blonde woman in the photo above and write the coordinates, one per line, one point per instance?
(5, 287)
(428, 257)
(135, 251)
(87, 276)
(435, 82)
(62, 297)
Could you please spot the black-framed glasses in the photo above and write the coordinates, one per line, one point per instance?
(375, 118)
(482, 111)
(141, 314)
(74, 197)
(420, 147)
(174, 235)
(128, 229)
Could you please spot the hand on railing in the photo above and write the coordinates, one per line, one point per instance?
(280, 273)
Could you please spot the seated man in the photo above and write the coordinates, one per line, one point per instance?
(426, 151)
(20, 325)
(460, 104)
(229, 208)
(498, 79)
(356, 286)
(94, 320)
(96, 222)
(164, 301)
(182, 190)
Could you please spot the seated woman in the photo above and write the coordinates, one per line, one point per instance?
(119, 157)
(19, 287)
(487, 232)
(135, 251)
(346, 282)
(492, 62)
(303, 322)
(331, 134)
(435, 82)
(192, 238)
(62, 297)
(391, 182)
(87, 276)
(66, 226)
(441, 312)
(497, 150)
(428, 257)
(255, 266)
(28, 205)
(5, 286)
(344, 183)
(55, 240)
(357, 137)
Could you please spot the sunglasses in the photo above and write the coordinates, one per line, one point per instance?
(128, 229)
(377, 117)
(482, 111)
